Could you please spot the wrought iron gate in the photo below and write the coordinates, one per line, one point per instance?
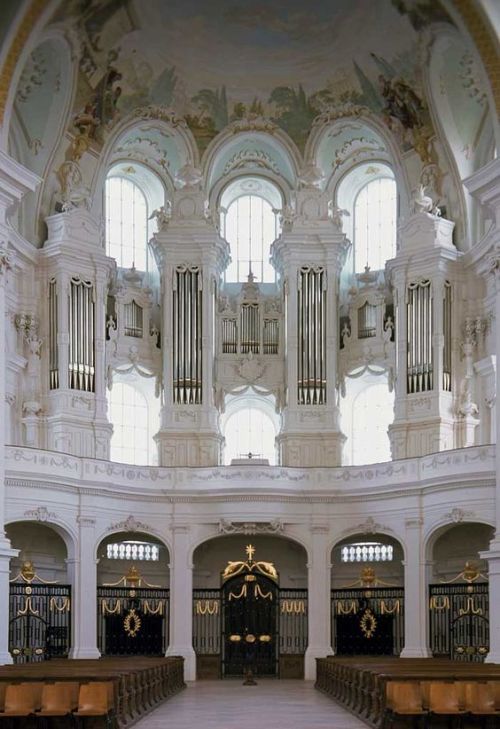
(249, 626)
(459, 621)
(132, 621)
(368, 621)
(39, 621)
(250, 623)
(288, 634)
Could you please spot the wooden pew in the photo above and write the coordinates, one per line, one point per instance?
(362, 683)
(138, 684)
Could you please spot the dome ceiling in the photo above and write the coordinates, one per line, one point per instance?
(219, 61)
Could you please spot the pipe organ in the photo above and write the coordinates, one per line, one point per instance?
(420, 331)
(77, 274)
(251, 328)
(311, 329)
(423, 277)
(309, 256)
(187, 327)
(81, 335)
(191, 258)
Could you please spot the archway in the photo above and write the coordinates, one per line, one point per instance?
(458, 592)
(39, 594)
(250, 606)
(133, 595)
(367, 609)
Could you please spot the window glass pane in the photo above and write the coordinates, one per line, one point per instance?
(250, 226)
(126, 223)
(372, 413)
(375, 213)
(250, 430)
(369, 552)
(128, 412)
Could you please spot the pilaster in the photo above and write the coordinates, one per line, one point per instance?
(82, 571)
(15, 182)
(416, 611)
(181, 597)
(484, 185)
(319, 600)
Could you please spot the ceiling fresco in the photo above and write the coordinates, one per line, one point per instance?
(219, 61)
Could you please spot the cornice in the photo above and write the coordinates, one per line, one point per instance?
(305, 498)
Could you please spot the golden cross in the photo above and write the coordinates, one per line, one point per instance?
(250, 551)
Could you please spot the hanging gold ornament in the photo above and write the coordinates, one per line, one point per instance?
(132, 623)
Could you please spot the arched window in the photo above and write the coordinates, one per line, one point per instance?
(250, 228)
(128, 412)
(372, 413)
(375, 214)
(126, 223)
(249, 221)
(250, 430)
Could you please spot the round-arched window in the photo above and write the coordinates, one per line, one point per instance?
(126, 223)
(128, 412)
(250, 432)
(375, 215)
(250, 228)
(372, 413)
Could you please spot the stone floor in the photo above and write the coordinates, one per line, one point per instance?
(272, 704)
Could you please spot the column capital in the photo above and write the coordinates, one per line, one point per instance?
(86, 521)
(414, 523)
(6, 260)
(180, 529)
(320, 528)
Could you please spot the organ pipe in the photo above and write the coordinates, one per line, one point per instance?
(81, 335)
(53, 352)
(367, 321)
(249, 318)
(229, 336)
(271, 336)
(419, 343)
(447, 337)
(187, 329)
(311, 319)
(133, 319)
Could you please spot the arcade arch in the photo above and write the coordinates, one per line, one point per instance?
(368, 606)
(250, 613)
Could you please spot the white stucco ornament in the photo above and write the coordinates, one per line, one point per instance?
(250, 369)
(188, 176)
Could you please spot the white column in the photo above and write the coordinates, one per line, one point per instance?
(485, 186)
(416, 610)
(5, 550)
(319, 600)
(15, 181)
(83, 576)
(181, 602)
(493, 555)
